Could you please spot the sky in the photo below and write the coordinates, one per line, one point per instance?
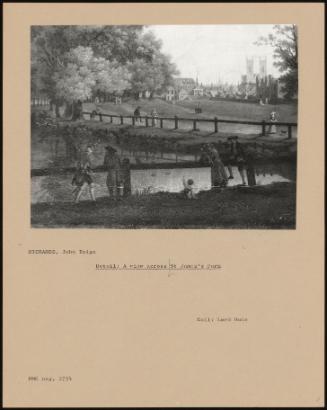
(214, 52)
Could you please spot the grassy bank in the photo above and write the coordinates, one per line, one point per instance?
(49, 150)
(210, 108)
(260, 207)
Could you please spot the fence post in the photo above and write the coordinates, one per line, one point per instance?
(216, 124)
(100, 116)
(176, 122)
(194, 125)
(111, 119)
(161, 123)
(121, 120)
(146, 121)
(263, 128)
(133, 120)
(289, 132)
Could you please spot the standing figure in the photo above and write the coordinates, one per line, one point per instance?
(218, 172)
(204, 156)
(137, 114)
(126, 176)
(272, 127)
(236, 156)
(250, 170)
(154, 116)
(114, 177)
(83, 175)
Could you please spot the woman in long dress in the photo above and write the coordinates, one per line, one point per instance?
(272, 127)
(218, 172)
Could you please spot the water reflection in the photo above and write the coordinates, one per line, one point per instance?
(58, 188)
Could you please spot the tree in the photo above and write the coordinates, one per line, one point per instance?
(83, 74)
(72, 63)
(284, 40)
(152, 77)
(154, 71)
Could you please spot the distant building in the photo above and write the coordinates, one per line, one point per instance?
(198, 92)
(250, 78)
(263, 67)
(180, 90)
(256, 83)
(187, 84)
(169, 94)
(255, 67)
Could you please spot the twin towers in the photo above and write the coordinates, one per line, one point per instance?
(256, 66)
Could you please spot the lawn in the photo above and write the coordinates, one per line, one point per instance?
(242, 110)
(260, 207)
(228, 110)
(210, 108)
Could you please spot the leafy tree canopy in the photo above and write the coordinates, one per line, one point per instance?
(72, 63)
(284, 41)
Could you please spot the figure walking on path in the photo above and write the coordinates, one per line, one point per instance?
(83, 176)
(114, 176)
(137, 115)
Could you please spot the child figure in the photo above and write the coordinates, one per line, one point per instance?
(83, 176)
(189, 188)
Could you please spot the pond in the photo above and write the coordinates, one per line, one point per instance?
(57, 188)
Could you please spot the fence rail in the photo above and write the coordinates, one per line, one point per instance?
(215, 121)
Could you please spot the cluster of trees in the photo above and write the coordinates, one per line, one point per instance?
(74, 63)
(284, 41)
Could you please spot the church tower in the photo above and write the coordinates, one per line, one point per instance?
(250, 69)
(263, 67)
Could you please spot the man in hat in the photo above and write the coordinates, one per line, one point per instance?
(236, 156)
(114, 177)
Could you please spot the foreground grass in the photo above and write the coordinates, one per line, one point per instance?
(260, 207)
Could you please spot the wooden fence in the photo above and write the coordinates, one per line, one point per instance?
(40, 102)
(150, 121)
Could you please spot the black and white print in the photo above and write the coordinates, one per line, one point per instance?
(166, 127)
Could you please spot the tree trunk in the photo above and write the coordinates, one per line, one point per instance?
(55, 107)
(68, 110)
(77, 109)
(57, 111)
